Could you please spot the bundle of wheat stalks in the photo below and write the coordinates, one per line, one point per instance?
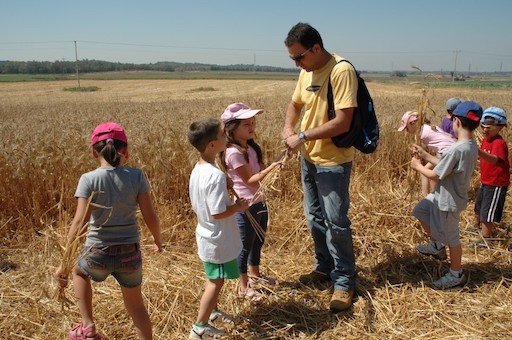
(266, 185)
(73, 244)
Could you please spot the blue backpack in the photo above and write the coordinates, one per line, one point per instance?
(364, 129)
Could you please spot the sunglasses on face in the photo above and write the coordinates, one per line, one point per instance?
(488, 127)
(300, 56)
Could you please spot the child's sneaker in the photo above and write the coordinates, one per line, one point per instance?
(205, 332)
(430, 249)
(451, 280)
(218, 315)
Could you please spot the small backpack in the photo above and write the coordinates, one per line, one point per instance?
(364, 129)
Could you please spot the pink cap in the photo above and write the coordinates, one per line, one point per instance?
(409, 116)
(238, 111)
(108, 130)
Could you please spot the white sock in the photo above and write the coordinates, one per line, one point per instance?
(456, 273)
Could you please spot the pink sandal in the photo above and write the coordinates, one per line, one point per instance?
(78, 332)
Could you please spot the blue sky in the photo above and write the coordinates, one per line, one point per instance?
(373, 34)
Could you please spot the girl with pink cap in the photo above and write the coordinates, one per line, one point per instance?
(112, 242)
(243, 161)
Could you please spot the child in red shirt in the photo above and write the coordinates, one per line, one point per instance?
(494, 171)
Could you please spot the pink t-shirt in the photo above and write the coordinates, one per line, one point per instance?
(235, 159)
(438, 140)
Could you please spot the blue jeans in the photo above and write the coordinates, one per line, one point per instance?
(251, 251)
(326, 203)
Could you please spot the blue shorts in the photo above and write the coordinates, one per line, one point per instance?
(123, 261)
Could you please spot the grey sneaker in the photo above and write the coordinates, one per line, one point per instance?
(206, 332)
(429, 249)
(450, 281)
(218, 315)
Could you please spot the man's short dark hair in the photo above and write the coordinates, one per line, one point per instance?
(305, 35)
(202, 132)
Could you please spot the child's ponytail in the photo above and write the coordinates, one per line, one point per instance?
(109, 150)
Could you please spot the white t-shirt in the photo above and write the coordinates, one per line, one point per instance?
(218, 241)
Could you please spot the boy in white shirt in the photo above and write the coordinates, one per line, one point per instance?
(217, 235)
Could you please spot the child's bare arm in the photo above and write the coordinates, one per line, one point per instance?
(422, 154)
(240, 205)
(493, 159)
(429, 173)
(150, 218)
(80, 215)
(245, 173)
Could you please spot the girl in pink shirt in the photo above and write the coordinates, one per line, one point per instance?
(243, 161)
(432, 137)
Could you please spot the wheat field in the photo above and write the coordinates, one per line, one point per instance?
(44, 149)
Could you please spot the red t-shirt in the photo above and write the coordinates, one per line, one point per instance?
(498, 174)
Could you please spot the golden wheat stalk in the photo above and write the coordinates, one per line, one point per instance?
(73, 244)
(267, 184)
(255, 225)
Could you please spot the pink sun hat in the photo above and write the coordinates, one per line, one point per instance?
(238, 111)
(108, 130)
(408, 117)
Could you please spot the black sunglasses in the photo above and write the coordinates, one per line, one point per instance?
(301, 56)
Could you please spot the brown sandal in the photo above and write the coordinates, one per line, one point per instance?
(252, 295)
(264, 280)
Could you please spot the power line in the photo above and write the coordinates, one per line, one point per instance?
(249, 49)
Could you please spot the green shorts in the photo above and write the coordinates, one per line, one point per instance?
(228, 270)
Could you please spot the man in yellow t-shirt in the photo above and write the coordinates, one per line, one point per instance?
(325, 168)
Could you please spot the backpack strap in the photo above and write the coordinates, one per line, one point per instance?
(330, 100)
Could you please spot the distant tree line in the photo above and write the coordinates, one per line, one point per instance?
(89, 66)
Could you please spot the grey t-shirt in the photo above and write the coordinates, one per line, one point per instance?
(454, 170)
(118, 189)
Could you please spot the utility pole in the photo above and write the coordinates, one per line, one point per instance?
(76, 66)
(455, 66)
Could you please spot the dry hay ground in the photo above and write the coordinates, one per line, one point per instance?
(44, 133)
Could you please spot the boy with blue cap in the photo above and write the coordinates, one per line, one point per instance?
(439, 211)
(494, 172)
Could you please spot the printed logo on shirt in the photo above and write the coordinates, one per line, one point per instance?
(313, 88)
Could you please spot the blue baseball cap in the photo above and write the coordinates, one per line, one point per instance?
(494, 115)
(470, 110)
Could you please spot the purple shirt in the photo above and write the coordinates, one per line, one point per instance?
(447, 126)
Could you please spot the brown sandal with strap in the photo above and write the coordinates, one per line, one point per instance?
(252, 295)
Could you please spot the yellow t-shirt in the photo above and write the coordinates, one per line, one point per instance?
(311, 91)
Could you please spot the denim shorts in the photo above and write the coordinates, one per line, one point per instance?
(123, 261)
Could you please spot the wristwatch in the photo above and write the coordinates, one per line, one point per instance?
(302, 136)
